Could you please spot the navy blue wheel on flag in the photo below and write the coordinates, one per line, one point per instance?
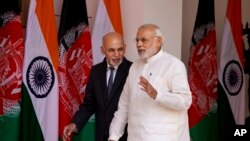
(233, 77)
(40, 77)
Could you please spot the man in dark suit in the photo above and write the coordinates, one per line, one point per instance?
(101, 98)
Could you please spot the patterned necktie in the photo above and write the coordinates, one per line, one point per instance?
(110, 82)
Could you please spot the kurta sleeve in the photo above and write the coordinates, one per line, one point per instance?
(175, 92)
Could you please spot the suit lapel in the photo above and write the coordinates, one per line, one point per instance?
(120, 75)
(103, 81)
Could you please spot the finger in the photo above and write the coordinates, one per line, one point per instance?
(66, 134)
(142, 84)
(144, 80)
(64, 137)
(143, 89)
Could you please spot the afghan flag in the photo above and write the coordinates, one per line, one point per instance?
(40, 89)
(202, 75)
(108, 19)
(231, 73)
(75, 62)
(11, 65)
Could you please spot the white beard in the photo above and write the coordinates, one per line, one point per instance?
(146, 53)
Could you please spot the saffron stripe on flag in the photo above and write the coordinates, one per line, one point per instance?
(108, 19)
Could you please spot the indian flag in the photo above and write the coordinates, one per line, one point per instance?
(108, 19)
(40, 89)
(231, 73)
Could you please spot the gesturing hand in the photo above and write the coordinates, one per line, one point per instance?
(147, 87)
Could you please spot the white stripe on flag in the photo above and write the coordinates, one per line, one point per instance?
(228, 53)
(46, 108)
(102, 25)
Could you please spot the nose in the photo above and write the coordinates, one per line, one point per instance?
(116, 53)
(139, 43)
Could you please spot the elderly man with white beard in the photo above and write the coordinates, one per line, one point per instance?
(156, 96)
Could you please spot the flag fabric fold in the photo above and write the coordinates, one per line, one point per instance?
(40, 84)
(202, 75)
(75, 61)
(230, 71)
(108, 19)
(11, 63)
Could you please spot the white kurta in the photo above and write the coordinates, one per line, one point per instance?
(162, 119)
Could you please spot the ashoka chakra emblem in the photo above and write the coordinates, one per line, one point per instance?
(40, 77)
(233, 77)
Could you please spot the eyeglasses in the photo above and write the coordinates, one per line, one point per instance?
(143, 40)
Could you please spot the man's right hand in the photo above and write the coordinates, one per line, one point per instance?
(68, 130)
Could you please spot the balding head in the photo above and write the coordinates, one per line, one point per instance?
(113, 47)
(112, 36)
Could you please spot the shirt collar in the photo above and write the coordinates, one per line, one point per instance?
(154, 57)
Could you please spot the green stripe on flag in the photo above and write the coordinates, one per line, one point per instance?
(9, 128)
(29, 132)
(226, 118)
(87, 133)
(208, 131)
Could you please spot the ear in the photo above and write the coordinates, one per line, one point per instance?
(159, 41)
(102, 50)
(124, 47)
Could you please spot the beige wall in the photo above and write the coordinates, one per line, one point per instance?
(138, 12)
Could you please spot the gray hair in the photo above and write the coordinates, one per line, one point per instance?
(157, 29)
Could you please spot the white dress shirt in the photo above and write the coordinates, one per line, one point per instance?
(109, 71)
(162, 119)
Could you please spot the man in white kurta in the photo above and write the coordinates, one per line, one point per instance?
(156, 95)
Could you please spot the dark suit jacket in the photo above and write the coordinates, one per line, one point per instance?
(96, 99)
